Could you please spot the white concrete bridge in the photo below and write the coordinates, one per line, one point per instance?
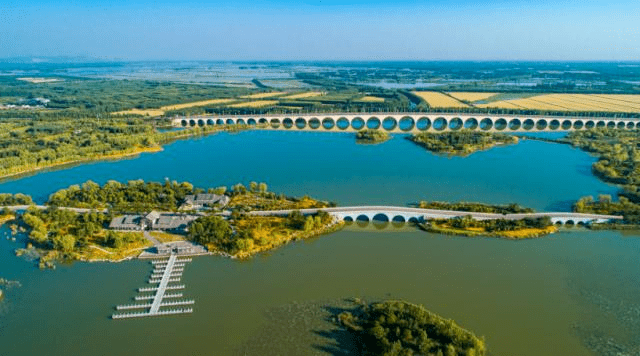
(404, 214)
(411, 122)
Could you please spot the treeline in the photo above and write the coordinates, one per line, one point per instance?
(7, 199)
(394, 328)
(618, 162)
(460, 142)
(475, 207)
(133, 196)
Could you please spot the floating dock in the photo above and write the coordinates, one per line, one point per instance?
(165, 271)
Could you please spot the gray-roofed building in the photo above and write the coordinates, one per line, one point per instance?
(127, 222)
(199, 201)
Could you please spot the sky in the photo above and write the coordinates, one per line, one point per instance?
(322, 30)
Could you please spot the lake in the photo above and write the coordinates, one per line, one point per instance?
(572, 293)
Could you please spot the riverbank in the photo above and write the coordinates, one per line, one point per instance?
(112, 156)
(514, 230)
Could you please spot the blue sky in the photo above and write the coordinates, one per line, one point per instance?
(322, 30)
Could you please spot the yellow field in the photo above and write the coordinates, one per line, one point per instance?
(303, 95)
(371, 99)
(263, 95)
(163, 109)
(145, 112)
(196, 103)
(471, 96)
(254, 104)
(439, 100)
(571, 102)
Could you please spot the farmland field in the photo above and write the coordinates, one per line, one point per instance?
(471, 96)
(439, 100)
(254, 104)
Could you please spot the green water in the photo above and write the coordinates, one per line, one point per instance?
(574, 293)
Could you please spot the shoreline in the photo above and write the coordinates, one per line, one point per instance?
(116, 156)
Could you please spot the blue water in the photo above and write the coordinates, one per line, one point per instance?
(332, 167)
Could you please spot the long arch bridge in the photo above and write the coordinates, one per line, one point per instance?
(412, 122)
(405, 214)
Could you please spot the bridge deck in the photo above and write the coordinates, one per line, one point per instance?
(390, 210)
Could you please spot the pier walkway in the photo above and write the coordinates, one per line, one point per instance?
(165, 271)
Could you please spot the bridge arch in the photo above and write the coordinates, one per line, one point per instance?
(252, 122)
(399, 219)
(471, 123)
(486, 124)
(314, 123)
(373, 123)
(554, 125)
(192, 122)
(406, 123)
(363, 218)
(275, 123)
(515, 124)
(611, 125)
(381, 217)
(621, 125)
(230, 122)
(210, 122)
(342, 123)
(287, 123)
(439, 124)
(589, 124)
(566, 125)
(455, 124)
(357, 123)
(301, 123)
(601, 125)
(630, 125)
(328, 123)
(578, 124)
(541, 124)
(184, 123)
(240, 122)
(423, 123)
(528, 124)
(500, 124)
(389, 123)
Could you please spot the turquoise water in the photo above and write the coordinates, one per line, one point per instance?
(573, 293)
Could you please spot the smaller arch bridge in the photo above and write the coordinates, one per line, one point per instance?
(398, 214)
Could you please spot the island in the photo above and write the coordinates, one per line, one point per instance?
(461, 143)
(118, 221)
(396, 327)
(370, 136)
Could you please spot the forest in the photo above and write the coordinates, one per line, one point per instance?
(399, 328)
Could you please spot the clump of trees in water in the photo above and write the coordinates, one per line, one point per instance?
(461, 142)
(372, 136)
(495, 225)
(619, 163)
(397, 327)
(475, 207)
